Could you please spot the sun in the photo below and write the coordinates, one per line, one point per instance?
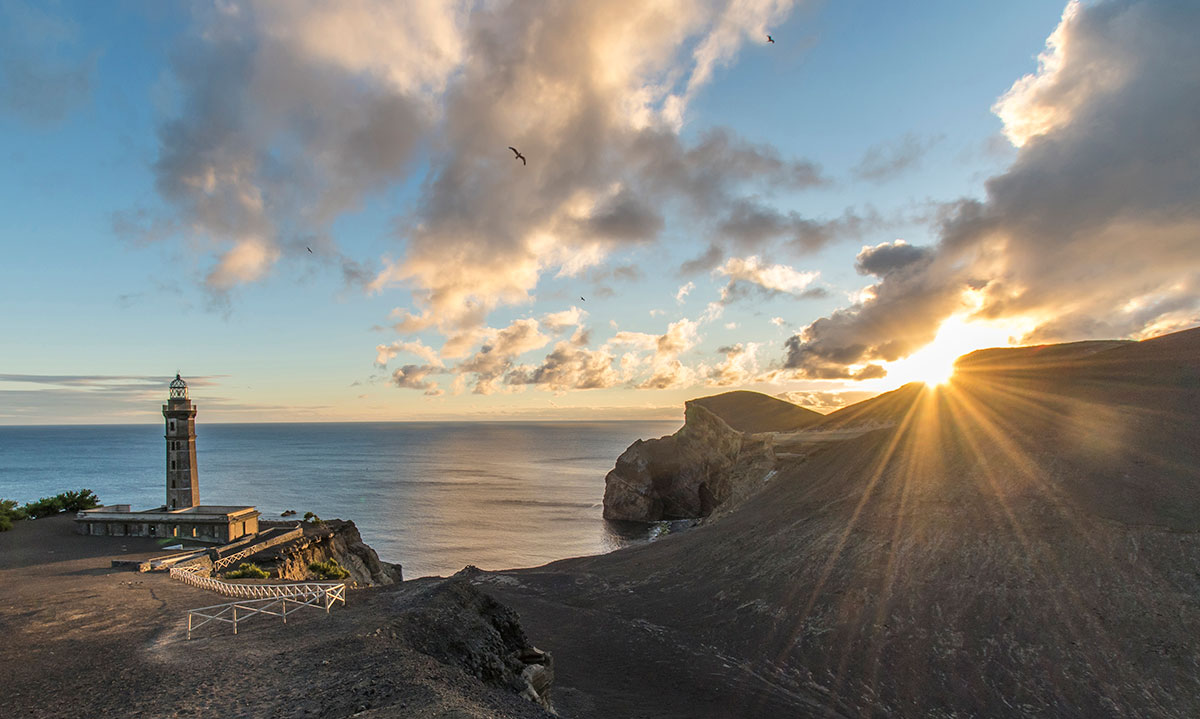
(933, 364)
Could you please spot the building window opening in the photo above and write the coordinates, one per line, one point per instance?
(172, 425)
(172, 464)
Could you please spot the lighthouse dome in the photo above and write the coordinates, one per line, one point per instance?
(178, 388)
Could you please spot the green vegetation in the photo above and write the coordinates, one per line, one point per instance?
(247, 570)
(329, 569)
(312, 517)
(69, 501)
(9, 512)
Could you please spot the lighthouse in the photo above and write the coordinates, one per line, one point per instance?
(183, 483)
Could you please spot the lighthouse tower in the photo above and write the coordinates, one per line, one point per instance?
(183, 484)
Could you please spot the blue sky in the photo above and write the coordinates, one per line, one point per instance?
(167, 165)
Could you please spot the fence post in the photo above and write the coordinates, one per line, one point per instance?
(235, 619)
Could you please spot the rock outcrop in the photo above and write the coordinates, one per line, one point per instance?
(334, 539)
(705, 465)
(453, 622)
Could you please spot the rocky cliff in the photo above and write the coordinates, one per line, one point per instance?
(705, 465)
(334, 539)
(456, 623)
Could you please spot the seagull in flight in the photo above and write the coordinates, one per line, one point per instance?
(519, 156)
(770, 39)
(309, 250)
(582, 300)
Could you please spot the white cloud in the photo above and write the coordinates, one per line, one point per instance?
(775, 278)
(683, 291)
(558, 321)
(384, 353)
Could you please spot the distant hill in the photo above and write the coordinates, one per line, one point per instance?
(756, 412)
(885, 409)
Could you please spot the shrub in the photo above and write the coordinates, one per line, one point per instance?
(329, 569)
(247, 570)
(44, 507)
(312, 517)
(79, 501)
(9, 513)
(66, 502)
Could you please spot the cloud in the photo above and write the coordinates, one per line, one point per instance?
(886, 258)
(891, 159)
(824, 401)
(1093, 231)
(412, 376)
(740, 365)
(683, 291)
(44, 74)
(558, 321)
(569, 367)
(290, 115)
(750, 273)
(283, 123)
(416, 347)
(495, 358)
(749, 225)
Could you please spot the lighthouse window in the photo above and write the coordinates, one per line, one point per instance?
(172, 464)
(172, 425)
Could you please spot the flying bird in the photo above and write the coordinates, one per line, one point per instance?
(309, 250)
(770, 39)
(519, 156)
(582, 300)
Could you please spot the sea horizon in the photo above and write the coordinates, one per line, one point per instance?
(433, 496)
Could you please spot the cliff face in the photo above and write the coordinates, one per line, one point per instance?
(332, 539)
(703, 466)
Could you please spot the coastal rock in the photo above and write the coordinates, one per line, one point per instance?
(703, 466)
(335, 539)
(454, 622)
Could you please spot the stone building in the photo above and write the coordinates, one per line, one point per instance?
(182, 516)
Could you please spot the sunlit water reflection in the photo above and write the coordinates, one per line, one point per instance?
(433, 496)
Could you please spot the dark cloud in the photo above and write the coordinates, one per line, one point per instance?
(710, 258)
(1093, 232)
(412, 376)
(750, 225)
(624, 218)
(888, 257)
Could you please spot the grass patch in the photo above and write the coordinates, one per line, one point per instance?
(329, 569)
(247, 570)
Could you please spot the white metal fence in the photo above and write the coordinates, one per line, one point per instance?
(280, 606)
(273, 599)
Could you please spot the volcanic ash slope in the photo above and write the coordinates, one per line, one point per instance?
(1021, 542)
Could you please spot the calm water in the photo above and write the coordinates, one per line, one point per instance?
(434, 496)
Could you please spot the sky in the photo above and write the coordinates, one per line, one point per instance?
(310, 209)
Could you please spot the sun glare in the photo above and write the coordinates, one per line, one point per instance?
(933, 364)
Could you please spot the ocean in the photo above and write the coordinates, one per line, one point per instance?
(434, 496)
